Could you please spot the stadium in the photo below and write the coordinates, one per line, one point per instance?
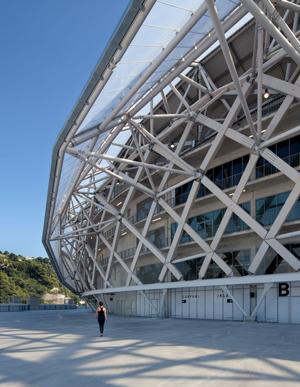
(174, 185)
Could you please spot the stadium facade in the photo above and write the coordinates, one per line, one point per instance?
(174, 187)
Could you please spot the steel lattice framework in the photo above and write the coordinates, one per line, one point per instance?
(136, 147)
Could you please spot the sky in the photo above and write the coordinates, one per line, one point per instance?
(48, 50)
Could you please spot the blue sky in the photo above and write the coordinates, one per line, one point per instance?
(48, 50)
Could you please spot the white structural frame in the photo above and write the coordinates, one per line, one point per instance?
(78, 225)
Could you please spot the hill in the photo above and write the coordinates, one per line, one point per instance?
(23, 277)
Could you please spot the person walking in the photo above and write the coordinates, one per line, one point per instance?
(101, 315)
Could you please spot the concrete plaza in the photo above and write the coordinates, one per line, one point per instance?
(62, 348)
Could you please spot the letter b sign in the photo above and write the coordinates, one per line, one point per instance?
(283, 289)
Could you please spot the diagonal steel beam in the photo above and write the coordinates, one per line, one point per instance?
(164, 180)
(272, 30)
(162, 149)
(138, 235)
(230, 63)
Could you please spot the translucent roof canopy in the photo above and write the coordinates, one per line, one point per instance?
(153, 37)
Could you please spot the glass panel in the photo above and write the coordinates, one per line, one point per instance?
(237, 166)
(190, 269)
(214, 271)
(157, 237)
(237, 224)
(295, 249)
(173, 230)
(288, 150)
(152, 37)
(295, 151)
(268, 208)
(142, 209)
(295, 212)
(283, 149)
(203, 191)
(274, 263)
(181, 193)
(149, 273)
(206, 225)
(225, 176)
(218, 174)
(295, 145)
(239, 260)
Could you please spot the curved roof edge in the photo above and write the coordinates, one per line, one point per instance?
(113, 44)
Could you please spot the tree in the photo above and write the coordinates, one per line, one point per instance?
(26, 278)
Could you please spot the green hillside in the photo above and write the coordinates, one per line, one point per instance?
(23, 277)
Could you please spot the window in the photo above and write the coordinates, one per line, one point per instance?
(224, 176)
(236, 224)
(142, 209)
(157, 237)
(119, 187)
(181, 193)
(288, 150)
(295, 212)
(283, 149)
(190, 269)
(238, 260)
(206, 225)
(274, 263)
(295, 145)
(149, 273)
(269, 207)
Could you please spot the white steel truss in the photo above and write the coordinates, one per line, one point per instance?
(170, 136)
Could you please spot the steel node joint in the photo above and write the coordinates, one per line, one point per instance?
(255, 149)
(126, 117)
(192, 115)
(199, 173)
(151, 146)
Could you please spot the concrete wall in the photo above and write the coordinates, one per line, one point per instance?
(281, 304)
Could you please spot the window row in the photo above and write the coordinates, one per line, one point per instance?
(229, 174)
(224, 176)
(288, 150)
(267, 209)
(206, 225)
(238, 260)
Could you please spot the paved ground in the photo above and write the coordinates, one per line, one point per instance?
(61, 348)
